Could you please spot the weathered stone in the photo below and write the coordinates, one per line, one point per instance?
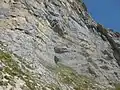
(60, 50)
(55, 45)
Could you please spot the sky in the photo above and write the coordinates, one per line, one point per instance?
(105, 12)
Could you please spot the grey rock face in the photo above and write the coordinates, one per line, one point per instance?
(46, 33)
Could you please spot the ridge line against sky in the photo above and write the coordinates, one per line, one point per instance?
(105, 12)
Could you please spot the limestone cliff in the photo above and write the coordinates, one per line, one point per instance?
(55, 45)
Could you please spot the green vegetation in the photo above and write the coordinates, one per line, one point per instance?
(51, 87)
(68, 76)
(83, 4)
(117, 87)
(80, 1)
(65, 75)
(13, 69)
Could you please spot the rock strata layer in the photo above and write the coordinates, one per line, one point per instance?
(55, 45)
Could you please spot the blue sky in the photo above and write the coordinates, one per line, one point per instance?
(105, 12)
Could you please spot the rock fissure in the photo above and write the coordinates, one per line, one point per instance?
(56, 45)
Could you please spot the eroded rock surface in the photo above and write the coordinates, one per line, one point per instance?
(55, 45)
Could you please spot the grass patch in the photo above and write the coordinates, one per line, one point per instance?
(117, 86)
(51, 87)
(13, 69)
(68, 76)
